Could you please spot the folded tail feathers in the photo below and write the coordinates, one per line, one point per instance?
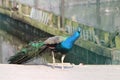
(27, 53)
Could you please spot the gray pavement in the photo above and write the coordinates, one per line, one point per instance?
(46, 72)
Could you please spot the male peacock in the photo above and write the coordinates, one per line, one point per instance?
(56, 44)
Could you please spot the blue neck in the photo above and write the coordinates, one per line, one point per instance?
(68, 43)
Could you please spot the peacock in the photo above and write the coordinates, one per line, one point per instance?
(55, 44)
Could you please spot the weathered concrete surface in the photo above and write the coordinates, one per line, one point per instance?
(86, 44)
(52, 30)
(45, 72)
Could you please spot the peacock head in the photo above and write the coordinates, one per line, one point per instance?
(79, 29)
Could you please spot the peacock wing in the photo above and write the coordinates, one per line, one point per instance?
(55, 40)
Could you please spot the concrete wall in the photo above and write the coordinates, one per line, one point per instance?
(95, 41)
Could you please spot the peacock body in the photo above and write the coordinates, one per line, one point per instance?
(56, 44)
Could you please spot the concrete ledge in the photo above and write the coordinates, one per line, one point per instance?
(45, 72)
(37, 24)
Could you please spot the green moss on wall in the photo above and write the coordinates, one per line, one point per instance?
(117, 42)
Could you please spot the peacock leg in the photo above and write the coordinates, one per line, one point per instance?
(53, 58)
(62, 59)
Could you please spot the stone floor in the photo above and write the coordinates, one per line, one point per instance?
(46, 72)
